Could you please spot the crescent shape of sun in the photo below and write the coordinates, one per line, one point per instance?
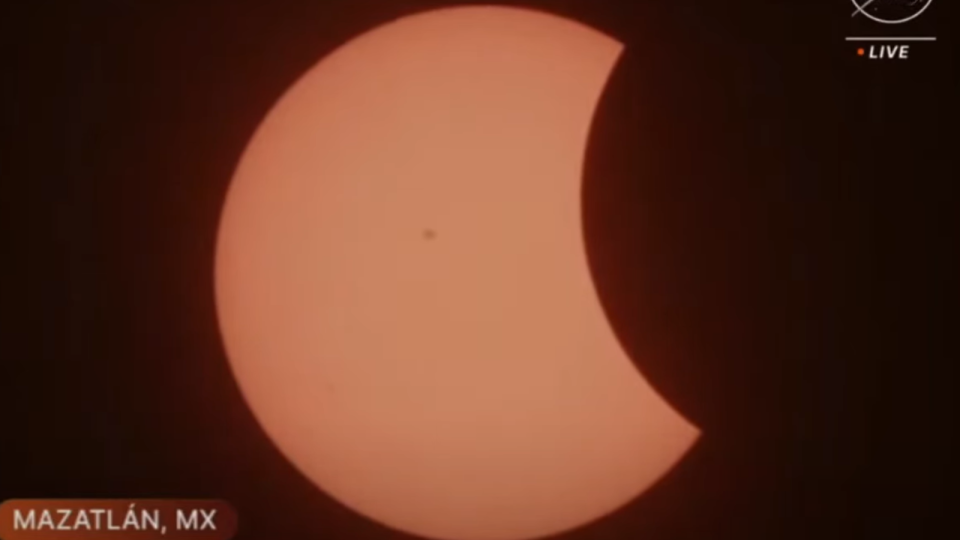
(403, 289)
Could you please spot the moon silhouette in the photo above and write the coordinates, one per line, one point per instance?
(403, 290)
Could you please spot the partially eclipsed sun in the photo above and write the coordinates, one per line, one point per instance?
(403, 287)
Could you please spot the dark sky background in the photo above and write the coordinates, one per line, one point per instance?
(767, 214)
